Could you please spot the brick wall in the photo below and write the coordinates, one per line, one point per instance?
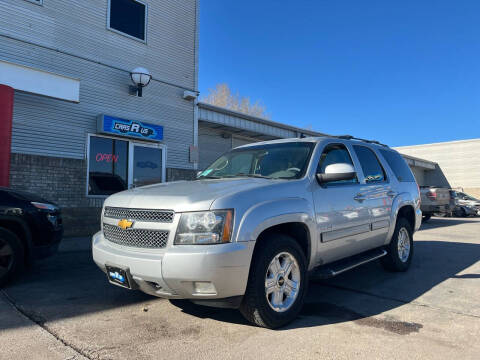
(63, 181)
(57, 179)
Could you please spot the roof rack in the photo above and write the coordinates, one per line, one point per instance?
(350, 137)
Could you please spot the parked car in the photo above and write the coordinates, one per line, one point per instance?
(435, 200)
(30, 228)
(258, 222)
(464, 205)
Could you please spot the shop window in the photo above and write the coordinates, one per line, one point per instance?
(107, 166)
(128, 17)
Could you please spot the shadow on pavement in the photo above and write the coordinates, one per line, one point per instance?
(437, 222)
(69, 285)
(66, 285)
(347, 297)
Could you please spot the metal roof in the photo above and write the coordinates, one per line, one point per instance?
(234, 119)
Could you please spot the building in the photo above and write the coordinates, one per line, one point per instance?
(458, 163)
(78, 132)
(73, 130)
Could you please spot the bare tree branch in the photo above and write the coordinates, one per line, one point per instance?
(222, 96)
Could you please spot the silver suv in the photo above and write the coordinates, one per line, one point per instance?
(259, 222)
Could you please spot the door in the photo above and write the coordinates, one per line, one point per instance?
(147, 164)
(343, 222)
(376, 193)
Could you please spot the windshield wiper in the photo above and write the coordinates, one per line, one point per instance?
(248, 175)
(208, 177)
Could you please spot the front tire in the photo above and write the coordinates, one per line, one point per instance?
(11, 256)
(277, 283)
(400, 250)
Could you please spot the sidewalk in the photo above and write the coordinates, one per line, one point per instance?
(21, 338)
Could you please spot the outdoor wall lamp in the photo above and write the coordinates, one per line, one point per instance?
(140, 77)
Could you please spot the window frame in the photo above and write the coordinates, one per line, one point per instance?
(386, 178)
(125, 34)
(352, 158)
(131, 144)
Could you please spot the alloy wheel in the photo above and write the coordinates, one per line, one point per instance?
(282, 282)
(403, 245)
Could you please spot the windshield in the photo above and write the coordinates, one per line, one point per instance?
(273, 161)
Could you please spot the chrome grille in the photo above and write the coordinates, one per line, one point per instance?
(140, 238)
(163, 216)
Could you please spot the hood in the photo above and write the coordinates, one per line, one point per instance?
(26, 196)
(182, 195)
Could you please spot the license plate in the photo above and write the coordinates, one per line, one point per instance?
(118, 276)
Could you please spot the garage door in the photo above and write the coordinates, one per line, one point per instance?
(211, 144)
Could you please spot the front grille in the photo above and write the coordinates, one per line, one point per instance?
(140, 238)
(163, 216)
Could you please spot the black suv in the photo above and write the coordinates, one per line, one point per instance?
(30, 228)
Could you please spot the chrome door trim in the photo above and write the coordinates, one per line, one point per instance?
(344, 232)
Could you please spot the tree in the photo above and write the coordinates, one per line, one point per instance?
(222, 96)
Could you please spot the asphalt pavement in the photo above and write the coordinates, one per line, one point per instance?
(64, 308)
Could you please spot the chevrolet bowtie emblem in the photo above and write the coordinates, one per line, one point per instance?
(125, 224)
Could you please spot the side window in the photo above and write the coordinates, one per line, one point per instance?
(372, 170)
(335, 154)
(398, 165)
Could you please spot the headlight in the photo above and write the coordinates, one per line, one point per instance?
(205, 227)
(44, 206)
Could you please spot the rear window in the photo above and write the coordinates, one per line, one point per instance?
(398, 165)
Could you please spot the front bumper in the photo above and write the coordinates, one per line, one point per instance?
(48, 246)
(172, 272)
(430, 209)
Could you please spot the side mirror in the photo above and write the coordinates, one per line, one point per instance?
(337, 172)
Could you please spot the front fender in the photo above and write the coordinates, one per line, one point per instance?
(266, 214)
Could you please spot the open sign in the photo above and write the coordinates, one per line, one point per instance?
(106, 157)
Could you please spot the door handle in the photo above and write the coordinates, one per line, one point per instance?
(359, 197)
(391, 193)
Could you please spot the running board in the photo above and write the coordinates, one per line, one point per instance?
(340, 266)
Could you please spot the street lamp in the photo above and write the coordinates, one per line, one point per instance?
(140, 77)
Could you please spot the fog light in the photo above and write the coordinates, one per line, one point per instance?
(204, 287)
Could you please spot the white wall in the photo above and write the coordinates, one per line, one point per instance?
(458, 160)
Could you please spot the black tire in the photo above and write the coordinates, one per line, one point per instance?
(255, 307)
(462, 212)
(426, 217)
(392, 261)
(11, 256)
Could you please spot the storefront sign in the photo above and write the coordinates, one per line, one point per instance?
(129, 128)
(106, 157)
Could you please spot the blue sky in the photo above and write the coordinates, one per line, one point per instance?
(402, 72)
